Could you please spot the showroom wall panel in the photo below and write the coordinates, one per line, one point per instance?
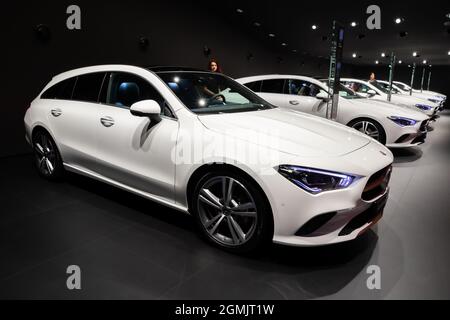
(110, 33)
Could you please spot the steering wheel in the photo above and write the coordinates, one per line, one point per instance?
(214, 97)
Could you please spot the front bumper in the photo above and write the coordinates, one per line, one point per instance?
(343, 226)
(293, 208)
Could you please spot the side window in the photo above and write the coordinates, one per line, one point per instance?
(62, 90)
(301, 88)
(254, 86)
(124, 89)
(273, 86)
(87, 87)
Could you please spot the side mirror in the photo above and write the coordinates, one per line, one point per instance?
(371, 92)
(146, 108)
(323, 96)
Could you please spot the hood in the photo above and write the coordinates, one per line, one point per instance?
(411, 100)
(288, 131)
(390, 109)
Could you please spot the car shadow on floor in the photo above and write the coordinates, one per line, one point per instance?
(406, 155)
(289, 272)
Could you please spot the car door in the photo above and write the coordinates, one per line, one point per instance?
(73, 118)
(301, 96)
(136, 151)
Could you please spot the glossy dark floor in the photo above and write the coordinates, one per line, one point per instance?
(130, 248)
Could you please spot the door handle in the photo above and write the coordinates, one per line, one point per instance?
(56, 112)
(294, 102)
(107, 121)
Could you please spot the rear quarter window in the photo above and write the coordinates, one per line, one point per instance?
(62, 90)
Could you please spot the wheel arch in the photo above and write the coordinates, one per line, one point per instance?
(365, 117)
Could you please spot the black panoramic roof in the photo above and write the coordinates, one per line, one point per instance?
(171, 68)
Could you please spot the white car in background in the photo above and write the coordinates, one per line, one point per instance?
(203, 144)
(398, 91)
(378, 92)
(425, 94)
(394, 126)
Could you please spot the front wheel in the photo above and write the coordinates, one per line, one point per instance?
(371, 128)
(47, 158)
(231, 212)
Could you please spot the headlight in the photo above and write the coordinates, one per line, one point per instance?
(403, 122)
(316, 181)
(424, 107)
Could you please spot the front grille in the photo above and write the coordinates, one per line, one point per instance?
(377, 184)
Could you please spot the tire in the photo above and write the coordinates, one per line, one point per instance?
(240, 223)
(47, 158)
(369, 127)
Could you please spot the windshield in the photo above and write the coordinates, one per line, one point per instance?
(386, 86)
(402, 86)
(379, 86)
(344, 92)
(204, 92)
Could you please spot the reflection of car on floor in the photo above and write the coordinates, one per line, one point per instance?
(376, 91)
(202, 143)
(391, 125)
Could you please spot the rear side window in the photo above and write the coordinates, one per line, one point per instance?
(62, 90)
(273, 86)
(88, 86)
(254, 86)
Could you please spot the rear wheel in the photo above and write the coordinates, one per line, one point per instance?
(47, 158)
(369, 127)
(232, 212)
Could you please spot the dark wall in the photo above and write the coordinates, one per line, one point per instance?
(177, 33)
(440, 76)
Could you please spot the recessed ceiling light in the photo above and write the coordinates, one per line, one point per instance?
(294, 50)
(314, 27)
(354, 55)
(414, 54)
(377, 62)
(284, 44)
(399, 20)
(271, 35)
(353, 24)
(239, 10)
(383, 54)
(448, 53)
(257, 24)
(400, 61)
(424, 61)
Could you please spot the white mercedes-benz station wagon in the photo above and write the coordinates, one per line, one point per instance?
(204, 144)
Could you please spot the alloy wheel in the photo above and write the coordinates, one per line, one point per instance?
(45, 155)
(227, 211)
(367, 128)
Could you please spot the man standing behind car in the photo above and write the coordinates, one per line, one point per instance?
(372, 79)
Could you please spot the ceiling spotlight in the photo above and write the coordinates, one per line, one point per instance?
(257, 24)
(314, 27)
(424, 61)
(448, 53)
(271, 35)
(294, 51)
(414, 54)
(354, 55)
(399, 20)
(239, 10)
(284, 44)
(377, 62)
(353, 24)
(399, 61)
(383, 54)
